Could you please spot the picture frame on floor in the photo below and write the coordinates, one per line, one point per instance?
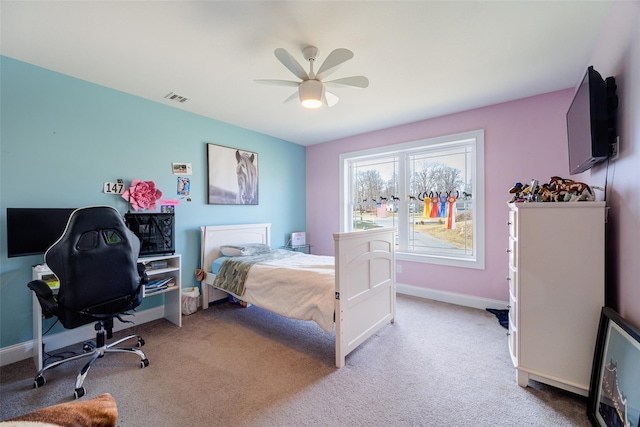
(614, 392)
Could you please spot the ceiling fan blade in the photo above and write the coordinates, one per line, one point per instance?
(277, 82)
(293, 96)
(355, 81)
(333, 61)
(330, 99)
(291, 64)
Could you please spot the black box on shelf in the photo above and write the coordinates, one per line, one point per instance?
(155, 230)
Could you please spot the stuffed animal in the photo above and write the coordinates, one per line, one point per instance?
(519, 192)
(547, 194)
(570, 190)
(557, 190)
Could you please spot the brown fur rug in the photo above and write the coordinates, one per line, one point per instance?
(101, 411)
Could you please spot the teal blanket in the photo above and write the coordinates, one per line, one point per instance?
(233, 271)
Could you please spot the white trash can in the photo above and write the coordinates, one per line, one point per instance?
(190, 300)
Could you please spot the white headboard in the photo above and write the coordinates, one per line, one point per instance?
(214, 236)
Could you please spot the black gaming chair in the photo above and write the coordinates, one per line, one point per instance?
(100, 279)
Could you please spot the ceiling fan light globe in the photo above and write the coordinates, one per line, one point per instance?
(311, 93)
(311, 103)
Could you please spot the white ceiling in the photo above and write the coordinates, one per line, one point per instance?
(423, 58)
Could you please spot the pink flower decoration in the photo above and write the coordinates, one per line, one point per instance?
(142, 195)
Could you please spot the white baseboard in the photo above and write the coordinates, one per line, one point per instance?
(18, 352)
(451, 298)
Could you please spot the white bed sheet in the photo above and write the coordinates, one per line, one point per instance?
(299, 287)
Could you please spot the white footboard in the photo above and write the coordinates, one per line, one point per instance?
(365, 286)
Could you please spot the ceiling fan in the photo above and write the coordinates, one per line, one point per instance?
(311, 88)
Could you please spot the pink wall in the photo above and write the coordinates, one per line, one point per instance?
(617, 53)
(524, 139)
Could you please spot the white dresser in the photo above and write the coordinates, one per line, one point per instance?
(556, 290)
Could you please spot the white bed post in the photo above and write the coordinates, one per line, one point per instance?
(204, 288)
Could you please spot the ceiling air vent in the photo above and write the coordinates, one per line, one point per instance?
(177, 98)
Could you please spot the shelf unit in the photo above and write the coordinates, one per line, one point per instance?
(172, 301)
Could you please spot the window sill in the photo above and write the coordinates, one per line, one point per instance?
(477, 264)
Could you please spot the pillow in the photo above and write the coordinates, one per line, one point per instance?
(243, 250)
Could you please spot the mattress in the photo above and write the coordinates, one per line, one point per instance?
(300, 286)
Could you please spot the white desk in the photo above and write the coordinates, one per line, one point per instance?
(172, 303)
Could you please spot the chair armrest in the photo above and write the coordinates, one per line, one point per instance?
(142, 272)
(45, 297)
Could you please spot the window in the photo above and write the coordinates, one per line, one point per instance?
(431, 190)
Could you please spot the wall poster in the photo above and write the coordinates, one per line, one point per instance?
(233, 176)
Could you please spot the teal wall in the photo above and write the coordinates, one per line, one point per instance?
(61, 138)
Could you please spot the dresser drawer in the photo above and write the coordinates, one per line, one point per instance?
(512, 279)
(513, 346)
(513, 246)
(513, 328)
(513, 313)
(512, 223)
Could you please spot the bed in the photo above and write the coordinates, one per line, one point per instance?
(363, 295)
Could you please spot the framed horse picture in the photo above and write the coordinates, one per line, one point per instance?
(614, 392)
(233, 176)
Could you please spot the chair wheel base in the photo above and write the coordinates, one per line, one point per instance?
(144, 363)
(39, 381)
(140, 342)
(79, 392)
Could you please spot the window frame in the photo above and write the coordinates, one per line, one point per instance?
(477, 260)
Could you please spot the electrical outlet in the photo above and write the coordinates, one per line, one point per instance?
(615, 149)
(398, 268)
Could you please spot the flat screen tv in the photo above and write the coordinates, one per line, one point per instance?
(31, 231)
(589, 122)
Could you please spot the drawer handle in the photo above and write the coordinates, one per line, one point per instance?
(508, 279)
(508, 251)
(509, 223)
(508, 334)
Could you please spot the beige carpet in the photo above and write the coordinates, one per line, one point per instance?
(438, 365)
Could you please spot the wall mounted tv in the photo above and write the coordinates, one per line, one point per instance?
(30, 231)
(591, 121)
